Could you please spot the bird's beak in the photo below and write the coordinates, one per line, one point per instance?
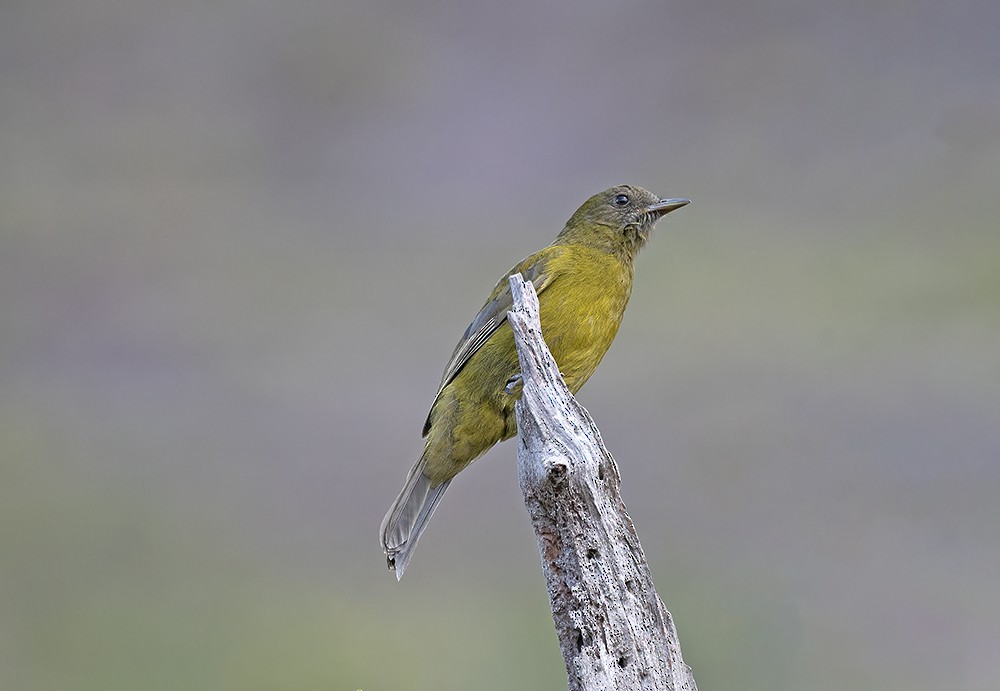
(665, 206)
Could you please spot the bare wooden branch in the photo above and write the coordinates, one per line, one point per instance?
(614, 630)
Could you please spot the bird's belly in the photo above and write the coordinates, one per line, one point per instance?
(580, 330)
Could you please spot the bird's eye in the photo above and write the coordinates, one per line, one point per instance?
(621, 200)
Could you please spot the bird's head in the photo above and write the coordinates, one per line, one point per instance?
(617, 220)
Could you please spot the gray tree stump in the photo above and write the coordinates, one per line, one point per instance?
(614, 630)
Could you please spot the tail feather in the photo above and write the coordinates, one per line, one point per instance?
(407, 517)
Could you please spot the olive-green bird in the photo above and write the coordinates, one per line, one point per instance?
(583, 280)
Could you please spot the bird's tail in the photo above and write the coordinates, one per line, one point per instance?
(407, 517)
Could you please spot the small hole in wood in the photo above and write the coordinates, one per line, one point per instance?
(592, 553)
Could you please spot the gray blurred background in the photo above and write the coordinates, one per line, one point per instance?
(238, 241)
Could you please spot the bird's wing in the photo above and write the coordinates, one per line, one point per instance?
(494, 313)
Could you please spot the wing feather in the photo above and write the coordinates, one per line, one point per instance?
(494, 313)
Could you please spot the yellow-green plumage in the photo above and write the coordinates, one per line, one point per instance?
(579, 320)
(583, 280)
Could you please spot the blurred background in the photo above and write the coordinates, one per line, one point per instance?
(239, 240)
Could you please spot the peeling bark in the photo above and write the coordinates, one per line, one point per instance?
(614, 630)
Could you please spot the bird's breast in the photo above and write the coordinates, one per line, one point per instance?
(581, 312)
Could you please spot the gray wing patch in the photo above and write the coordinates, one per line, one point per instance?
(490, 318)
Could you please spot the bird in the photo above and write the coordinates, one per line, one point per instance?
(583, 281)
